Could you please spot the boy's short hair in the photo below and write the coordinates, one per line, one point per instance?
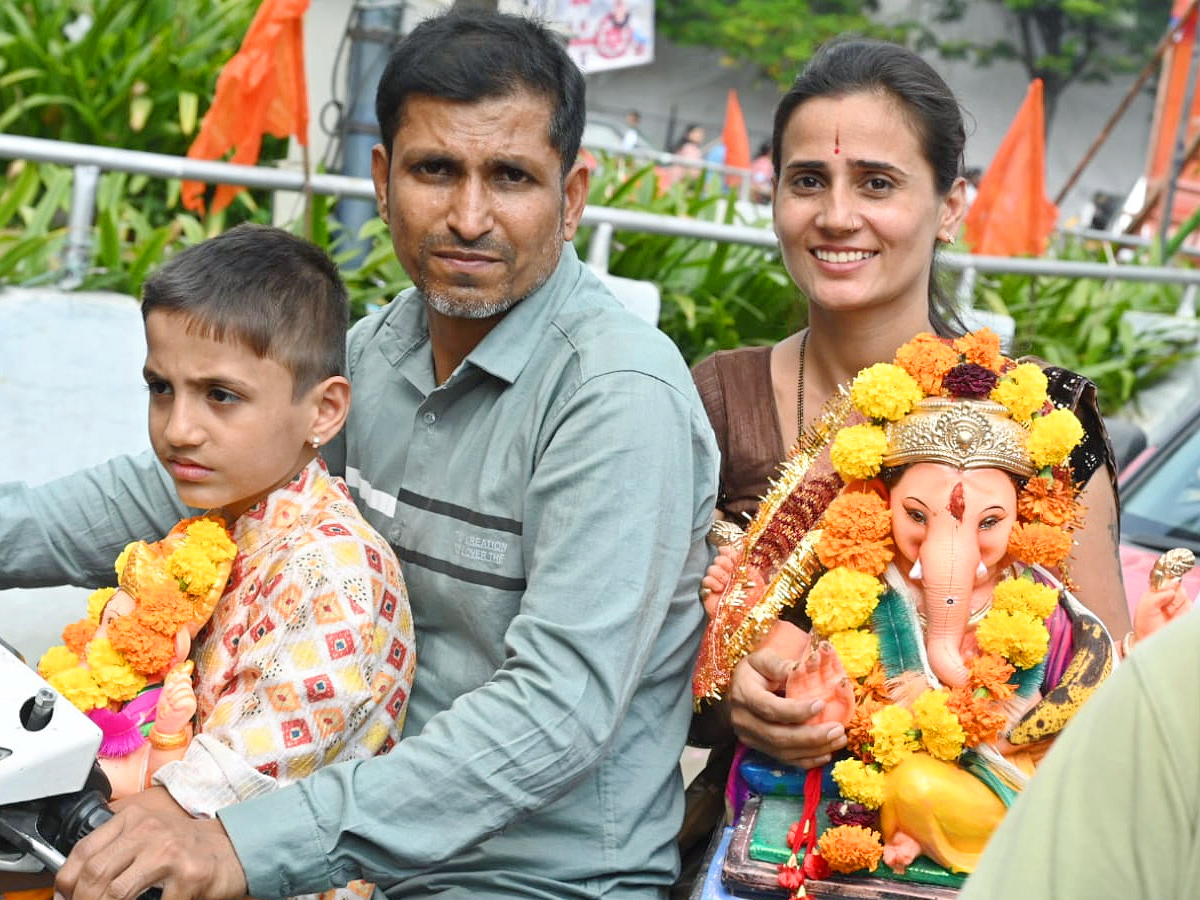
(277, 293)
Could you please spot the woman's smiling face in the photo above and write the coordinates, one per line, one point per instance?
(857, 211)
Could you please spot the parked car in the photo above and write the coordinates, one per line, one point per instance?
(1160, 506)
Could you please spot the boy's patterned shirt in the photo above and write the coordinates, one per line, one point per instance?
(309, 657)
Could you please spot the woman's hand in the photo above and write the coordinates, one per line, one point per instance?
(788, 730)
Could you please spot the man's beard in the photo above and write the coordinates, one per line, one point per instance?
(463, 302)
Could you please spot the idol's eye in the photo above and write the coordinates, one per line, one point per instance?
(916, 515)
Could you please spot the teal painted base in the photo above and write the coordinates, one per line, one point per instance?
(776, 814)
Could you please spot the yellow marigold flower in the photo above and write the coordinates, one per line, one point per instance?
(942, 734)
(857, 649)
(78, 686)
(118, 683)
(892, 736)
(981, 347)
(842, 599)
(885, 391)
(1052, 437)
(101, 652)
(1023, 595)
(55, 660)
(859, 783)
(927, 358)
(196, 565)
(1022, 391)
(857, 451)
(1018, 637)
(119, 565)
(1035, 543)
(96, 602)
(848, 848)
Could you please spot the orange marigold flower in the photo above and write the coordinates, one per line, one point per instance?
(927, 358)
(981, 721)
(873, 686)
(858, 732)
(77, 634)
(856, 533)
(992, 673)
(848, 848)
(163, 608)
(148, 652)
(982, 347)
(1048, 500)
(1035, 543)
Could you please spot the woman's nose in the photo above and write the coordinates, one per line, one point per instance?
(838, 213)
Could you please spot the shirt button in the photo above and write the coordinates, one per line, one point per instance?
(430, 417)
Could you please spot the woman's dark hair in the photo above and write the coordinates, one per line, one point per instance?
(467, 56)
(844, 67)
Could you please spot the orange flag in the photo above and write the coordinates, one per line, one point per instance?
(1011, 215)
(260, 91)
(735, 139)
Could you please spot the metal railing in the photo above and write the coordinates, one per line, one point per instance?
(89, 161)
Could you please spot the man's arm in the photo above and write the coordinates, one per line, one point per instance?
(1112, 810)
(71, 530)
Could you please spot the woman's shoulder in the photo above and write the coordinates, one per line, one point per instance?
(741, 359)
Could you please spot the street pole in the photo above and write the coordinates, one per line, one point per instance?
(374, 28)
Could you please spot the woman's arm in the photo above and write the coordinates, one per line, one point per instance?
(1095, 566)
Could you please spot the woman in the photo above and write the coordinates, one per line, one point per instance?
(867, 150)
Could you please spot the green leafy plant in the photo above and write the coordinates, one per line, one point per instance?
(1085, 325)
(714, 295)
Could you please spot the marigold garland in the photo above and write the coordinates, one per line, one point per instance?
(855, 547)
(183, 585)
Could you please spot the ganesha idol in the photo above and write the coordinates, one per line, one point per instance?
(936, 625)
(126, 665)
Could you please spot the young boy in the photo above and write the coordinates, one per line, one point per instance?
(309, 656)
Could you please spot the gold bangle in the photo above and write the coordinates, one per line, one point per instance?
(160, 741)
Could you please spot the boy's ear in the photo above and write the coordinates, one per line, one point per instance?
(331, 405)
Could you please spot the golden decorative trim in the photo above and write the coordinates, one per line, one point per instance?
(966, 434)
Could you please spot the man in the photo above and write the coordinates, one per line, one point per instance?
(544, 469)
(1111, 811)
